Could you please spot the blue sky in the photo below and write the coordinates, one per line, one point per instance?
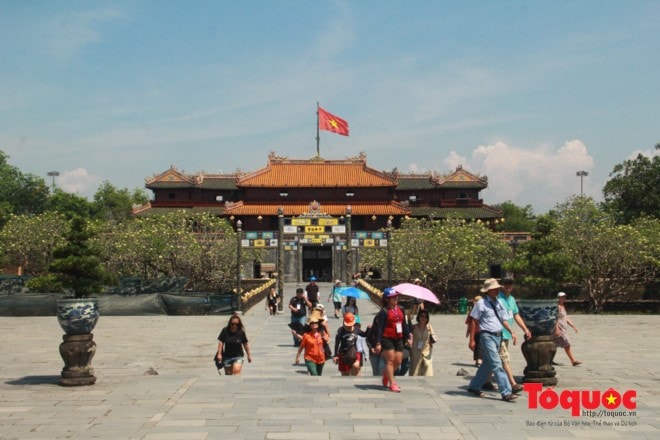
(526, 93)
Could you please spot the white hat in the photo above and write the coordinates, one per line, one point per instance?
(337, 281)
(319, 306)
(560, 294)
(489, 284)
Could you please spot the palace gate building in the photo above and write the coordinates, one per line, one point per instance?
(314, 216)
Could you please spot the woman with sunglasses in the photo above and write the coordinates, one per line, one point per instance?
(232, 341)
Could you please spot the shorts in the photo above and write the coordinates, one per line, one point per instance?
(504, 351)
(344, 367)
(391, 344)
(231, 361)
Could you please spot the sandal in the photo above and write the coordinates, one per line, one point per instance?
(475, 392)
(395, 388)
(517, 388)
(576, 363)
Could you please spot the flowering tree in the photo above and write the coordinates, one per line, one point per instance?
(439, 251)
(28, 241)
(201, 247)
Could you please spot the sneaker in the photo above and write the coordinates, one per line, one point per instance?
(517, 388)
(509, 397)
(395, 388)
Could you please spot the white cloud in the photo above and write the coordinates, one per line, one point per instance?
(538, 176)
(78, 181)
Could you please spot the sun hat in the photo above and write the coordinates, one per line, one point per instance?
(560, 294)
(490, 284)
(337, 281)
(314, 320)
(319, 306)
(389, 292)
(349, 319)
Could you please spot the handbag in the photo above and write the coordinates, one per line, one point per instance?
(327, 351)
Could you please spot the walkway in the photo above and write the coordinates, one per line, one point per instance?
(274, 399)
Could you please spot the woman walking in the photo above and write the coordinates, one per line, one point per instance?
(421, 350)
(392, 334)
(231, 342)
(561, 336)
(313, 344)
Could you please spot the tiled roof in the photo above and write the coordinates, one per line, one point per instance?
(316, 173)
(241, 208)
(216, 181)
(174, 178)
(418, 182)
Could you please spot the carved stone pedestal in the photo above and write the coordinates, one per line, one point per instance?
(539, 351)
(77, 352)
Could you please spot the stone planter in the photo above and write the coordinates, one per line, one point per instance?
(539, 351)
(77, 317)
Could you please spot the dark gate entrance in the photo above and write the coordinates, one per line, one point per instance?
(317, 261)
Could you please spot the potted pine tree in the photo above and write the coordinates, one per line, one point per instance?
(78, 268)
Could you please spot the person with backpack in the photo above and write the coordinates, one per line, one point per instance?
(347, 354)
(393, 333)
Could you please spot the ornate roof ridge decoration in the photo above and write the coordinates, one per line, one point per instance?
(173, 174)
(463, 176)
(314, 210)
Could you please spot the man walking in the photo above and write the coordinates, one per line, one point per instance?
(312, 291)
(511, 315)
(489, 315)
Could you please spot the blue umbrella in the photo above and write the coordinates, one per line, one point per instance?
(353, 292)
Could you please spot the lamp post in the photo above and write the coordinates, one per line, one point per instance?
(582, 175)
(53, 175)
(237, 303)
(389, 251)
(280, 258)
(349, 257)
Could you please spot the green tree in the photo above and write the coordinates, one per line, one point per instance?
(114, 204)
(516, 218)
(608, 258)
(20, 193)
(28, 241)
(71, 205)
(633, 190)
(541, 263)
(77, 264)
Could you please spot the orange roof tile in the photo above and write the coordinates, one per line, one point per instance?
(391, 208)
(316, 173)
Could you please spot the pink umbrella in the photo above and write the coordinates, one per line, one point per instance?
(416, 291)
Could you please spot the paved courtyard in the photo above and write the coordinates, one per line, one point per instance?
(275, 399)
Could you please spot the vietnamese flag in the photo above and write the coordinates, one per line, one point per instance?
(330, 122)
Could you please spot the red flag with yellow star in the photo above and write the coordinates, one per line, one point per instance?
(330, 122)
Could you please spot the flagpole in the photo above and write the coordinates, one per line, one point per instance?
(318, 137)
